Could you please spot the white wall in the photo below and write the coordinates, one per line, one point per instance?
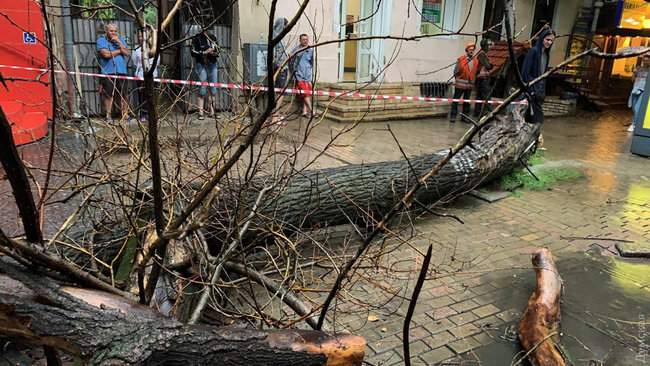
(415, 60)
(565, 15)
(318, 22)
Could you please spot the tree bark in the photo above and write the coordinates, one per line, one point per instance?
(16, 173)
(352, 193)
(539, 327)
(106, 329)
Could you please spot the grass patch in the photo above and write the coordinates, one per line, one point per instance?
(537, 158)
(522, 179)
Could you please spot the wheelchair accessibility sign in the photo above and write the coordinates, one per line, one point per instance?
(29, 38)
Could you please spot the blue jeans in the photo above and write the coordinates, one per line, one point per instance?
(207, 73)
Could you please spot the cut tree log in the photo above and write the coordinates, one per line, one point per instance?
(106, 329)
(539, 328)
(364, 192)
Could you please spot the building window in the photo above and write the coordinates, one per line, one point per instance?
(437, 16)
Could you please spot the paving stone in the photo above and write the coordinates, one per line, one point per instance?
(440, 301)
(486, 310)
(385, 358)
(529, 237)
(440, 339)
(384, 344)
(464, 306)
(438, 326)
(416, 333)
(443, 312)
(418, 347)
(640, 249)
(508, 315)
(462, 296)
(489, 323)
(463, 318)
(464, 330)
(463, 345)
(437, 355)
(483, 289)
(483, 338)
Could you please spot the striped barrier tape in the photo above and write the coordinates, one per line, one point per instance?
(325, 93)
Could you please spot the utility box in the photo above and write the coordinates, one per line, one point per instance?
(255, 62)
(641, 137)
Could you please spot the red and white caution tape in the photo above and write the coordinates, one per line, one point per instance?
(326, 93)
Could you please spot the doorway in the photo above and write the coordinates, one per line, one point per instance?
(361, 61)
(544, 13)
(492, 18)
(351, 12)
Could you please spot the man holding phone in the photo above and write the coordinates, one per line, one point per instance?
(113, 52)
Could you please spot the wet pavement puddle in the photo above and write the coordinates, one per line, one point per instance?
(605, 313)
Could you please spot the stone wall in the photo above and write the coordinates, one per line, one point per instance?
(556, 107)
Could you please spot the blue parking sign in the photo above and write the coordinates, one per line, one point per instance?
(29, 38)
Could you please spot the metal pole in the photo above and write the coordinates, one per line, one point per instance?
(68, 49)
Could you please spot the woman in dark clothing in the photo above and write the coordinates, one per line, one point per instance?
(535, 64)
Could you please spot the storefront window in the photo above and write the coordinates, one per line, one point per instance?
(624, 67)
(635, 14)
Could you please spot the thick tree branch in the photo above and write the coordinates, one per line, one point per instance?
(15, 170)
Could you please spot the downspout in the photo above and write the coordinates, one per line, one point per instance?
(68, 48)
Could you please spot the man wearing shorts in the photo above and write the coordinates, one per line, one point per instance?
(113, 51)
(303, 72)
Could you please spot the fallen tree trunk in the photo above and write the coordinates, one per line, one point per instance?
(363, 192)
(106, 329)
(539, 329)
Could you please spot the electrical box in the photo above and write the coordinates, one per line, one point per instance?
(641, 137)
(255, 62)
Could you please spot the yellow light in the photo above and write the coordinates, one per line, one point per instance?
(646, 23)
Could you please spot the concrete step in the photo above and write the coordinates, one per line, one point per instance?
(397, 115)
(344, 108)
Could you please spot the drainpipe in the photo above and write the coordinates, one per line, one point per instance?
(69, 56)
(590, 38)
(594, 23)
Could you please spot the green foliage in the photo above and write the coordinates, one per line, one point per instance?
(108, 13)
(151, 15)
(522, 179)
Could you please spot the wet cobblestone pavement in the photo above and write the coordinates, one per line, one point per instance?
(481, 275)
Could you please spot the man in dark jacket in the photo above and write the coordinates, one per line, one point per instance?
(535, 64)
(483, 84)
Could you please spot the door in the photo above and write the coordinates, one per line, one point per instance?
(365, 47)
(374, 20)
(341, 28)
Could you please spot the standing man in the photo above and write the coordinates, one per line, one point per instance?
(303, 72)
(113, 51)
(464, 75)
(483, 86)
(206, 52)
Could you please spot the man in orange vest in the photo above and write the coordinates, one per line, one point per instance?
(464, 75)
